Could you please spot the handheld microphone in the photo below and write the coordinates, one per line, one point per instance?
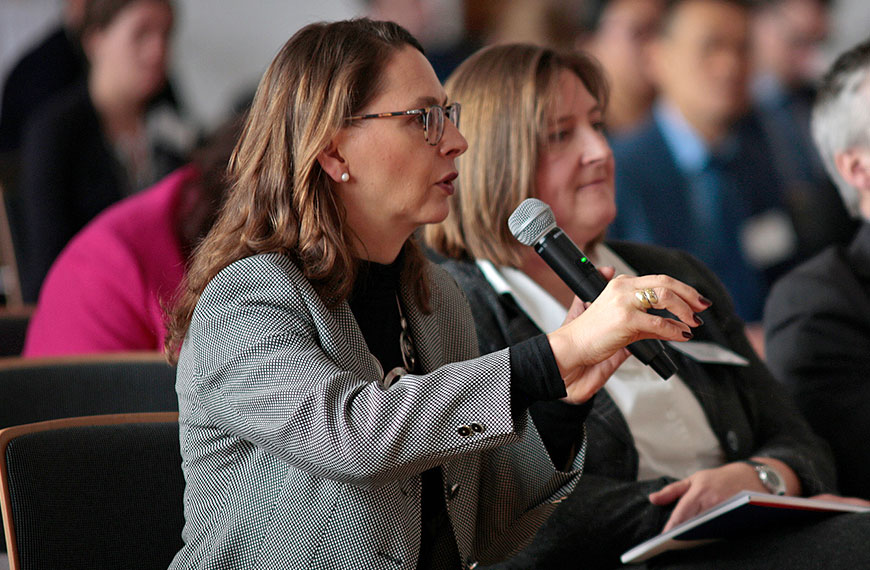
(533, 223)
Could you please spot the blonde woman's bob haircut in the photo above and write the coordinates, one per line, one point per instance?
(280, 199)
(506, 93)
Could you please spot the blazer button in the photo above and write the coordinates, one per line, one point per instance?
(477, 428)
(464, 431)
(452, 491)
(733, 441)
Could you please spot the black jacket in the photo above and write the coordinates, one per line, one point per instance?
(609, 512)
(69, 174)
(817, 326)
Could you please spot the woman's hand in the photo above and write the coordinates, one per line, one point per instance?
(616, 319)
(709, 487)
(704, 489)
(582, 382)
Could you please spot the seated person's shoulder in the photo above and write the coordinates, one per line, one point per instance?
(824, 279)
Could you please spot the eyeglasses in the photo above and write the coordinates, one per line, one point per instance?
(432, 117)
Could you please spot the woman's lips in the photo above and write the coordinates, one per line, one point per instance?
(446, 183)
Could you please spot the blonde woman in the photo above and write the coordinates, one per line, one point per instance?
(658, 452)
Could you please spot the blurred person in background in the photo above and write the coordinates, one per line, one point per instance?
(99, 141)
(698, 175)
(658, 452)
(542, 22)
(788, 39)
(439, 25)
(817, 318)
(617, 33)
(107, 290)
(53, 64)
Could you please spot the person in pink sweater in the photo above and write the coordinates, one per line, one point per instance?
(107, 289)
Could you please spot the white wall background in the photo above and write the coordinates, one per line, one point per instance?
(222, 47)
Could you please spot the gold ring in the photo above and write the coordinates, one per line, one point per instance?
(646, 297)
(644, 302)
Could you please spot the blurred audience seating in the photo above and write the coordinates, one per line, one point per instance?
(10, 284)
(38, 389)
(93, 492)
(13, 328)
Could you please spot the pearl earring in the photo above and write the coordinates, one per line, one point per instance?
(345, 176)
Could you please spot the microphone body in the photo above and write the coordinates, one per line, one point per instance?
(533, 223)
(575, 269)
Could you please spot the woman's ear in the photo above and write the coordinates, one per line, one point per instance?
(333, 163)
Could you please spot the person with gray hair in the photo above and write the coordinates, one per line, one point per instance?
(817, 317)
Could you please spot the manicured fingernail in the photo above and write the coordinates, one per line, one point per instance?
(698, 320)
(688, 335)
(705, 301)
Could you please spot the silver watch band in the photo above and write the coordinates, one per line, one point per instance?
(769, 477)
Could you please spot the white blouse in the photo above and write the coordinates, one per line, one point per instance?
(669, 427)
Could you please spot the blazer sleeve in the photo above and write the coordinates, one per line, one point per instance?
(264, 360)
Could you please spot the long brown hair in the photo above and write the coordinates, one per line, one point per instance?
(281, 200)
(506, 92)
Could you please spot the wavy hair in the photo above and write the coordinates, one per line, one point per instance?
(506, 92)
(280, 198)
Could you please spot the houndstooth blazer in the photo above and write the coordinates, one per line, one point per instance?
(296, 457)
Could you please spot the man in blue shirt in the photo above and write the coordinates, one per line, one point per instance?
(698, 175)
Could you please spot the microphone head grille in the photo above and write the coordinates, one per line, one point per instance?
(531, 221)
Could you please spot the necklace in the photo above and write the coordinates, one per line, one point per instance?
(408, 349)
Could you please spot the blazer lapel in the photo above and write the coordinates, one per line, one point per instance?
(425, 331)
(346, 343)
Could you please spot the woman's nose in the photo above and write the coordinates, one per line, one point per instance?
(453, 143)
(596, 147)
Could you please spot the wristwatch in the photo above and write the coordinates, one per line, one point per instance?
(769, 477)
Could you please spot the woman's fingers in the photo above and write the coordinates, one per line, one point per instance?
(607, 271)
(575, 310)
(654, 326)
(583, 384)
(686, 508)
(669, 493)
(618, 317)
(665, 293)
(661, 283)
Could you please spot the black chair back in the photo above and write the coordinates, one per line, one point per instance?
(39, 389)
(98, 492)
